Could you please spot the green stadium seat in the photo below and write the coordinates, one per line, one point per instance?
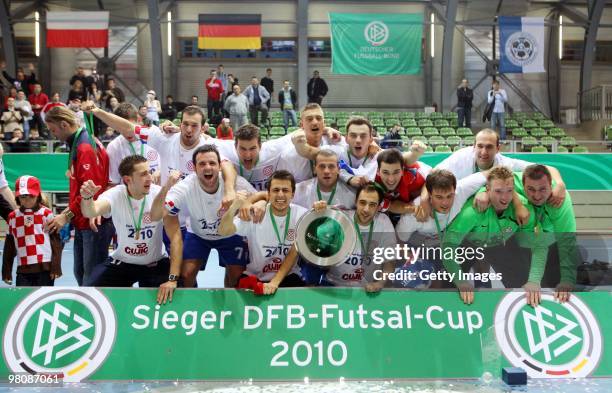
(277, 131)
(580, 149)
(454, 123)
(436, 115)
(457, 148)
(406, 115)
(341, 123)
(441, 123)
(420, 138)
(557, 132)
(436, 140)
(429, 131)
(392, 121)
(377, 122)
(453, 140)
(548, 142)
(468, 140)
(408, 123)
(529, 123)
(568, 141)
(528, 142)
(279, 115)
(538, 132)
(464, 131)
(421, 115)
(413, 131)
(539, 149)
(547, 123)
(519, 132)
(291, 129)
(562, 149)
(276, 122)
(443, 149)
(429, 149)
(537, 116)
(425, 123)
(447, 131)
(177, 122)
(511, 123)
(450, 115)
(358, 113)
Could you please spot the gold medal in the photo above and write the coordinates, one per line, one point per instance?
(137, 235)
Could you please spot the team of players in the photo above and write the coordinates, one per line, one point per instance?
(244, 198)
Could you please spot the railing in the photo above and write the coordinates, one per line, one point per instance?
(596, 103)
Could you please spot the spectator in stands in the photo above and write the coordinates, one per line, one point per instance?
(88, 161)
(237, 105)
(94, 79)
(142, 116)
(223, 78)
(268, 83)
(224, 130)
(38, 100)
(20, 81)
(288, 102)
(214, 100)
(36, 143)
(392, 138)
(232, 80)
(112, 91)
(109, 135)
(77, 91)
(498, 98)
(153, 107)
(22, 105)
(317, 88)
(465, 96)
(113, 104)
(18, 143)
(257, 96)
(169, 110)
(79, 75)
(75, 106)
(12, 94)
(195, 101)
(11, 119)
(93, 94)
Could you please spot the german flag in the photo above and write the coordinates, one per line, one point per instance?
(229, 31)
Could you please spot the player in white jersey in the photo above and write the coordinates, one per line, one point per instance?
(326, 186)
(313, 133)
(140, 256)
(373, 230)
(485, 154)
(272, 252)
(176, 149)
(121, 147)
(358, 161)
(447, 196)
(253, 160)
(201, 195)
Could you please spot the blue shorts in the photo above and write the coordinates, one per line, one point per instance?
(232, 250)
(166, 239)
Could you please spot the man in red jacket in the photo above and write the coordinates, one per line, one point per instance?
(214, 88)
(87, 161)
(38, 100)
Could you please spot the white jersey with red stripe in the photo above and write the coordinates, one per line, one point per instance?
(31, 241)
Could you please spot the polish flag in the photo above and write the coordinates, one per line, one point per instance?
(77, 29)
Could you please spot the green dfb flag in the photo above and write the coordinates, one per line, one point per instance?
(376, 44)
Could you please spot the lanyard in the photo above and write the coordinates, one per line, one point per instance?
(280, 243)
(538, 221)
(440, 236)
(134, 150)
(331, 196)
(252, 170)
(312, 165)
(501, 233)
(348, 153)
(138, 225)
(364, 247)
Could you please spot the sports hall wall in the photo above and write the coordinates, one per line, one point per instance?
(345, 91)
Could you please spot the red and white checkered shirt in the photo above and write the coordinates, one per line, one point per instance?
(32, 242)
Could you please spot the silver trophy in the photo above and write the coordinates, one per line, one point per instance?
(325, 238)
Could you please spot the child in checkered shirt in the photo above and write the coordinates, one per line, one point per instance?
(39, 253)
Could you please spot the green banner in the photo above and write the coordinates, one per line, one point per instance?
(376, 44)
(579, 171)
(121, 334)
